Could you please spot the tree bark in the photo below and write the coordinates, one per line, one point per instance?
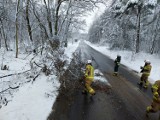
(4, 35)
(66, 16)
(17, 28)
(154, 36)
(41, 25)
(0, 39)
(138, 29)
(57, 17)
(48, 17)
(28, 21)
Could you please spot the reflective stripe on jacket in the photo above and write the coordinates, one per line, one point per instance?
(117, 62)
(89, 73)
(147, 69)
(156, 87)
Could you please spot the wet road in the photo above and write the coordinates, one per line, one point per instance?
(124, 101)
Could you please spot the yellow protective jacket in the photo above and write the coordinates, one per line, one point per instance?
(147, 69)
(156, 90)
(89, 73)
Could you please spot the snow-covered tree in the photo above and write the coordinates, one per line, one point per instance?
(132, 25)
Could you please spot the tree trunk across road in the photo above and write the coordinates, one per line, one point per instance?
(123, 101)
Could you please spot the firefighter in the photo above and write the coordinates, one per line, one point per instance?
(155, 106)
(89, 76)
(117, 64)
(145, 74)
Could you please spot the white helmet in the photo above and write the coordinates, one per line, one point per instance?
(89, 61)
(147, 61)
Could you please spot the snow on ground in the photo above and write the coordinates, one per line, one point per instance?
(15, 64)
(100, 77)
(34, 101)
(31, 101)
(70, 49)
(133, 62)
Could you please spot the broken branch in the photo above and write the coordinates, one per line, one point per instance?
(14, 74)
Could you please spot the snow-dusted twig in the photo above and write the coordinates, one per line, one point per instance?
(2, 59)
(73, 74)
(14, 74)
(36, 77)
(27, 55)
(37, 64)
(32, 52)
(9, 88)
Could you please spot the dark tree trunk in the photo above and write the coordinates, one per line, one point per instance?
(138, 28)
(4, 35)
(48, 17)
(28, 21)
(57, 17)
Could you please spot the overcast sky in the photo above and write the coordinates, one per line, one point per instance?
(93, 15)
(96, 13)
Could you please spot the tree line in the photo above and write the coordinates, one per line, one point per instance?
(27, 24)
(129, 25)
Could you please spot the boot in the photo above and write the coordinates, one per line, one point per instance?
(145, 86)
(147, 114)
(93, 94)
(148, 110)
(115, 74)
(84, 92)
(140, 83)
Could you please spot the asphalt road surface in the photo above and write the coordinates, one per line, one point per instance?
(124, 101)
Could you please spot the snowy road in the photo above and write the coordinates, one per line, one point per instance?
(124, 101)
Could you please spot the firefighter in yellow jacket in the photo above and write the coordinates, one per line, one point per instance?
(145, 74)
(89, 76)
(155, 106)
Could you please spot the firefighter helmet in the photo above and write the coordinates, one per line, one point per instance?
(147, 61)
(89, 61)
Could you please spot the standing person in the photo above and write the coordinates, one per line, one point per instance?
(145, 74)
(155, 106)
(117, 64)
(89, 76)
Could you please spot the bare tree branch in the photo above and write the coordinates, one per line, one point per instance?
(13, 74)
(9, 88)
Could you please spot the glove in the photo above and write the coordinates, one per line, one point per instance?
(141, 67)
(85, 75)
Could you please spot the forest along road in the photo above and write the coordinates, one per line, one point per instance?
(124, 101)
